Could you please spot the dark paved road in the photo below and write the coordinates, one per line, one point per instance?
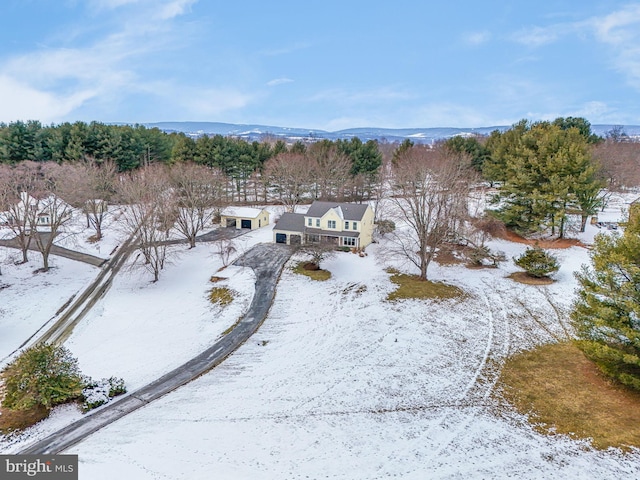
(267, 260)
(62, 252)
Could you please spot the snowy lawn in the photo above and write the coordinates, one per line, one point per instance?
(28, 300)
(338, 382)
(341, 384)
(141, 330)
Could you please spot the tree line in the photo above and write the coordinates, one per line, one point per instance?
(546, 174)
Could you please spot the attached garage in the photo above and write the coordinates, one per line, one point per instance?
(244, 218)
(289, 229)
(295, 239)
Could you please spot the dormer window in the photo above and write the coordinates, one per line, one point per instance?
(309, 222)
(331, 223)
(355, 225)
(318, 222)
(346, 225)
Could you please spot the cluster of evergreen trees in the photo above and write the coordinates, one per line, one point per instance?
(545, 171)
(127, 146)
(130, 147)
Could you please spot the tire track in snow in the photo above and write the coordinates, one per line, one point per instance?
(477, 390)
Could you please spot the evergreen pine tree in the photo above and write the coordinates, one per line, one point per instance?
(46, 375)
(606, 315)
(537, 262)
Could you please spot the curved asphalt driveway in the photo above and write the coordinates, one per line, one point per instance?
(267, 260)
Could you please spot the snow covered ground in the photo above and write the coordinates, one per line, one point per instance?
(338, 382)
(29, 300)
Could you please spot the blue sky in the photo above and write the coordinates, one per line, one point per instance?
(320, 64)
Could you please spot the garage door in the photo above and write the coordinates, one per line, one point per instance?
(281, 238)
(246, 224)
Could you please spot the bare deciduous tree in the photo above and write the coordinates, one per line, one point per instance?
(57, 184)
(148, 214)
(225, 248)
(318, 251)
(198, 192)
(431, 198)
(289, 175)
(619, 163)
(331, 170)
(93, 190)
(18, 184)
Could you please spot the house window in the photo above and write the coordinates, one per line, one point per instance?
(346, 225)
(331, 224)
(355, 225)
(318, 222)
(309, 222)
(349, 241)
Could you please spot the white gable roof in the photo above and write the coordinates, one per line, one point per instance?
(244, 212)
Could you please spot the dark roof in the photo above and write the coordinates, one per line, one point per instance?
(293, 222)
(351, 211)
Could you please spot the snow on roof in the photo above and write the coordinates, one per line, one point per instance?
(246, 212)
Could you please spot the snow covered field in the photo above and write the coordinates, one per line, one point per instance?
(337, 383)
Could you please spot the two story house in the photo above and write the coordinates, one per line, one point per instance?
(345, 224)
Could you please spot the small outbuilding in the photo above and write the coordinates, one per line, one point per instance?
(244, 217)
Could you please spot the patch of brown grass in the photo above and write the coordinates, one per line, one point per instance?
(411, 286)
(524, 277)
(216, 279)
(563, 392)
(221, 296)
(557, 243)
(447, 255)
(319, 274)
(12, 420)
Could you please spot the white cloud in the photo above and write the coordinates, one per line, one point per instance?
(538, 36)
(175, 8)
(274, 52)
(343, 123)
(453, 115)
(21, 102)
(620, 31)
(477, 38)
(278, 81)
(203, 103)
(614, 28)
(350, 97)
(53, 82)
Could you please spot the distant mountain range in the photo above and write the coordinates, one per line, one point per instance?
(418, 135)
